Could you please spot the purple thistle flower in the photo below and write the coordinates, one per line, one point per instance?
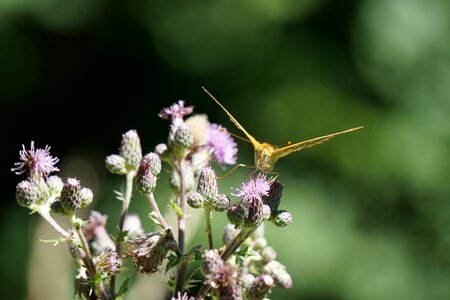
(184, 296)
(222, 145)
(37, 162)
(176, 111)
(252, 190)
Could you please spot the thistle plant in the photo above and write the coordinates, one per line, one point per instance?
(241, 266)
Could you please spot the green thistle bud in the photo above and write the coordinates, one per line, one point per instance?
(268, 254)
(116, 164)
(221, 202)
(266, 211)
(246, 280)
(181, 140)
(162, 151)
(149, 250)
(282, 218)
(255, 215)
(145, 181)
(212, 263)
(56, 208)
(236, 215)
(274, 197)
(27, 193)
(130, 149)
(229, 233)
(55, 185)
(207, 184)
(260, 288)
(152, 162)
(259, 243)
(86, 197)
(278, 273)
(70, 196)
(195, 200)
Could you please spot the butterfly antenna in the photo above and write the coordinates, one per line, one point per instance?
(236, 136)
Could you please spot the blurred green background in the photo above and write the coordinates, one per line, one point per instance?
(371, 209)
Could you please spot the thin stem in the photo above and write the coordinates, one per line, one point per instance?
(207, 210)
(182, 268)
(44, 211)
(242, 236)
(125, 204)
(86, 256)
(154, 206)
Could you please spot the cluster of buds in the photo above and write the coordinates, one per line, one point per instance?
(260, 271)
(147, 175)
(149, 250)
(72, 197)
(207, 192)
(129, 157)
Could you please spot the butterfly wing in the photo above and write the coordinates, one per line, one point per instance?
(309, 143)
(254, 142)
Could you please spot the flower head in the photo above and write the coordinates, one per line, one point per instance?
(185, 296)
(222, 146)
(37, 162)
(252, 190)
(176, 112)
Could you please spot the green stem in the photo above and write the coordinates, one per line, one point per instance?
(242, 236)
(182, 268)
(44, 211)
(126, 203)
(207, 210)
(86, 256)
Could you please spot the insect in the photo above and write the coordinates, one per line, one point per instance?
(266, 155)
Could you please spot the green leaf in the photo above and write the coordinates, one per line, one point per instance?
(173, 261)
(123, 289)
(177, 209)
(54, 241)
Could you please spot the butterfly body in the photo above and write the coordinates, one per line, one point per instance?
(266, 155)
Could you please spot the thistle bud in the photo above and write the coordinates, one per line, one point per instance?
(226, 283)
(274, 197)
(149, 250)
(161, 150)
(266, 211)
(260, 243)
(145, 181)
(278, 273)
(207, 184)
(108, 262)
(229, 233)
(255, 215)
(27, 193)
(268, 254)
(212, 263)
(152, 162)
(221, 202)
(55, 185)
(70, 196)
(195, 200)
(82, 285)
(130, 149)
(282, 218)
(182, 138)
(260, 288)
(86, 197)
(116, 164)
(246, 280)
(236, 215)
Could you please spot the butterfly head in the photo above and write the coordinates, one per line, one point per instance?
(263, 157)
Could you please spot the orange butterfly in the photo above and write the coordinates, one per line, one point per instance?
(266, 155)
